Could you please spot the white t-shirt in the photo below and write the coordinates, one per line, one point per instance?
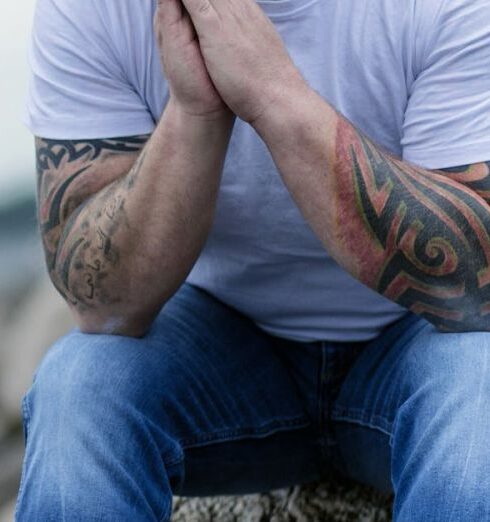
(413, 75)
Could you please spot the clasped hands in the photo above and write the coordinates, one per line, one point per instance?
(224, 57)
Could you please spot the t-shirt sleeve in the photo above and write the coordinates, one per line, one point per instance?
(447, 119)
(78, 88)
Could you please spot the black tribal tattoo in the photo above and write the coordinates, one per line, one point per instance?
(81, 206)
(420, 238)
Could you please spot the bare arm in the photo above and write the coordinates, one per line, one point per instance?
(124, 221)
(120, 239)
(419, 237)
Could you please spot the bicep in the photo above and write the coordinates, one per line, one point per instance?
(70, 172)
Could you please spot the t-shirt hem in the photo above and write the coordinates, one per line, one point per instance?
(352, 335)
(76, 129)
(307, 333)
(448, 157)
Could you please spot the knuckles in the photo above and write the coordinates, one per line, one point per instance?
(204, 6)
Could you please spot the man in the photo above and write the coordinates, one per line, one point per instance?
(283, 272)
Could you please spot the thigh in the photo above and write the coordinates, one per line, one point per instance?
(252, 425)
(205, 385)
(412, 405)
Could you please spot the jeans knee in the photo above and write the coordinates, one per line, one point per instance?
(83, 372)
(442, 426)
(91, 429)
(449, 365)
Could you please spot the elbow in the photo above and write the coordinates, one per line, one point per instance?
(465, 327)
(111, 316)
(120, 325)
(470, 317)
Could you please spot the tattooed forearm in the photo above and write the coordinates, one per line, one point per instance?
(53, 153)
(73, 158)
(81, 208)
(476, 177)
(420, 238)
(124, 220)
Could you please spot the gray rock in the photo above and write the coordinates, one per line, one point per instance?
(333, 501)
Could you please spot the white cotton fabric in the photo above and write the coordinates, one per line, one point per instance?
(414, 75)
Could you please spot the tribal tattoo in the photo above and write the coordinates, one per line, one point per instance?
(82, 189)
(421, 238)
(476, 177)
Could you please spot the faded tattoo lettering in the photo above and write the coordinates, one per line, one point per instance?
(79, 213)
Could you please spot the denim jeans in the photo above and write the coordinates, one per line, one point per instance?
(206, 403)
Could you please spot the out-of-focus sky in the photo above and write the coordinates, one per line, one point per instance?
(16, 143)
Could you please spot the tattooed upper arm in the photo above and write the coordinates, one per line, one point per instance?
(69, 173)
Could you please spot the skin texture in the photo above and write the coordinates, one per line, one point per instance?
(67, 180)
(123, 220)
(61, 197)
(189, 82)
(119, 244)
(243, 53)
(418, 237)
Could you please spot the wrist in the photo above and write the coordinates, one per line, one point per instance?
(221, 116)
(195, 130)
(298, 116)
(191, 136)
(285, 106)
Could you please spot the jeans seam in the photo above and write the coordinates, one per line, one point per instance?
(167, 514)
(175, 461)
(358, 416)
(235, 434)
(26, 415)
(26, 410)
(321, 400)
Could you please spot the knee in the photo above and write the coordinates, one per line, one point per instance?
(90, 416)
(87, 372)
(446, 392)
(441, 431)
(450, 366)
(447, 468)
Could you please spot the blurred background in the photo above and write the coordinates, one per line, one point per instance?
(32, 315)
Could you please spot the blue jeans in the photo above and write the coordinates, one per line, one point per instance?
(209, 404)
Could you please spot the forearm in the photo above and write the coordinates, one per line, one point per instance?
(415, 236)
(128, 248)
